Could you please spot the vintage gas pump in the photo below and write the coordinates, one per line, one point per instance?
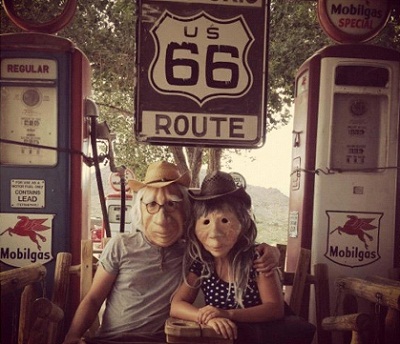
(345, 193)
(44, 204)
(344, 199)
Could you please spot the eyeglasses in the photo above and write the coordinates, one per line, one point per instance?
(169, 206)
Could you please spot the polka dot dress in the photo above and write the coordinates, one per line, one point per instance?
(220, 294)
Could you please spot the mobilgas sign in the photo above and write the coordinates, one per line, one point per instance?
(353, 21)
(202, 67)
(353, 237)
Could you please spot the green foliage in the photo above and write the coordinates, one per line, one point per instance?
(294, 35)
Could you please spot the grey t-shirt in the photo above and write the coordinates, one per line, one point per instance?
(147, 276)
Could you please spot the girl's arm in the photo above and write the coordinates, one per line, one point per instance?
(272, 307)
(181, 304)
(181, 307)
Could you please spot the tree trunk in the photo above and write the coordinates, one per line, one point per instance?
(180, 159)
(193, 160)
(214, 159)
(192, 164)
(195, 155)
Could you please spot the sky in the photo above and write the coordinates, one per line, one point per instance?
(272, 164)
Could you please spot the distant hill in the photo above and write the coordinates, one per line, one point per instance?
(271, 209)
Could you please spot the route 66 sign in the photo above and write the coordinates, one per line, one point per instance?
(202, 67)
(177, 69)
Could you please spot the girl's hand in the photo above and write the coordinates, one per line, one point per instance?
(205, 314)
(224, 327)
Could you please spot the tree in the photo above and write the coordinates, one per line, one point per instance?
(105, 31)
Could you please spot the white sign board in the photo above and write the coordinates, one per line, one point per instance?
(27, 193)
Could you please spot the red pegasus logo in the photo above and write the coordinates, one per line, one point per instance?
(357, 226)
(28, 227)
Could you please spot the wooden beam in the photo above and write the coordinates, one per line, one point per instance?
(388, 295)
(18, 278)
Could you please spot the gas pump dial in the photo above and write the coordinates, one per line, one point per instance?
(357, 107)
(31, 97)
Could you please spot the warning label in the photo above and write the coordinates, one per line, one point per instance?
(27, 193)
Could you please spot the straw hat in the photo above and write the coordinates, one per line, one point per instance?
(160, 174)
(219, 184)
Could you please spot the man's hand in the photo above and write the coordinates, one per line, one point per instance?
(268, 260)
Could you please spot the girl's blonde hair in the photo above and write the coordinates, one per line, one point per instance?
(241, 255)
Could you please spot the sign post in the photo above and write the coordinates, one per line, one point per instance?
(202, 68)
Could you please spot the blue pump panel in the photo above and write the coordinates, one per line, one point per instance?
(35, 181)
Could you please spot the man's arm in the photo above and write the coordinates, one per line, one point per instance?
(90, 305)
(268, 260)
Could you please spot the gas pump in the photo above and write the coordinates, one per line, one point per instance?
(345, 193)
(44, 136)
(113, 202)
(345, 181)
(49, 132)
(44, 133)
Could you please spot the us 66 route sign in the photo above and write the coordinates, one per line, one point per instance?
(202, 72)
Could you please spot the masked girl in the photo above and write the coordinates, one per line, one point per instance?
(219, 258)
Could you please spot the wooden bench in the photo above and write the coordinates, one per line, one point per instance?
(84, 272)
(37, 315)
(181, 331)
(41, 319)
(47, 325)
(64, 273)
(382, 323)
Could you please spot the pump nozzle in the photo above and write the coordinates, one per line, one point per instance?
(91, 109)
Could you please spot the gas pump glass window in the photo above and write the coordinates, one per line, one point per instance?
(28, 112)
(359, 125)
(362, 76)
(114, 213)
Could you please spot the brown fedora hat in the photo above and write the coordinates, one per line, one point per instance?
(219, 184)
(160, 174)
